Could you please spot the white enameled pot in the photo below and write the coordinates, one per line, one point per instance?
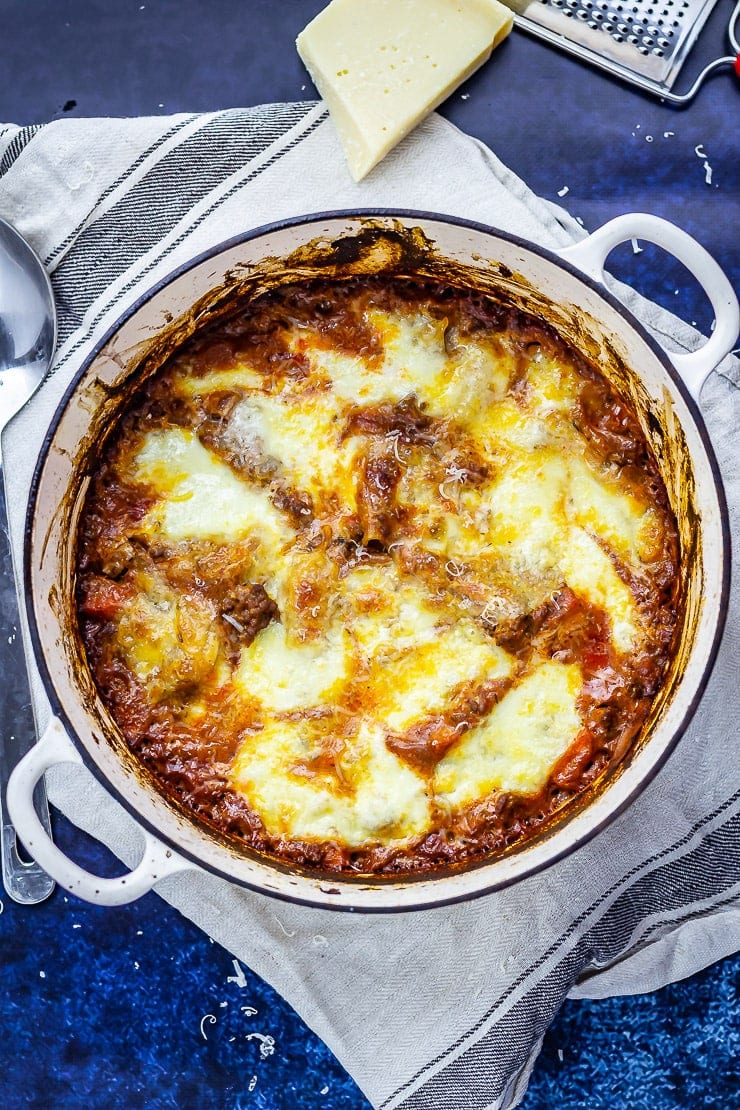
(566, 289)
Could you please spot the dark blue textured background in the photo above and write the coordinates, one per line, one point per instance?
(106, 1008)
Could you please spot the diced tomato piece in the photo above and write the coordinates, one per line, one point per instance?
(103, 598)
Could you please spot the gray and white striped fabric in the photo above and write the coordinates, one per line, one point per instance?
(445, 1008)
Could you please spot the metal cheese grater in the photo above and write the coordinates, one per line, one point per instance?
(644, 42)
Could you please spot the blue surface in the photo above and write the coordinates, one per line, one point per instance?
(674, 1049)
(136, 1007)
(108, 1008)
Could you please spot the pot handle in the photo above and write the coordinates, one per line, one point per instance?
(157, 861)
(590, 254)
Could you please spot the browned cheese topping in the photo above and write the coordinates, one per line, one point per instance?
(377, 577)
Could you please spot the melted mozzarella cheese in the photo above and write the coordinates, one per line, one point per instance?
(381, 801)
(515, 747)
(507, 426)
(589, 572)
(477, 376)
(303, 433)
(527, 512)
(415, 361)
(424, 679)
(283, 676)
(539, 510)
(200, 497)
(351, 377)
(229, 378)
(551, 385)
(605, 511)
(167, 639)
(385, 614)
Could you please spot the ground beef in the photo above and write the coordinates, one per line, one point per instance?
(246, 610)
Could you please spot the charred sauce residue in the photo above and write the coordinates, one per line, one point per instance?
(418, 463)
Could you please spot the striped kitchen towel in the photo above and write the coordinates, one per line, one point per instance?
(443, 1008)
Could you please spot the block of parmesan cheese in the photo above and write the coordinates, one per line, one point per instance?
(383, 65)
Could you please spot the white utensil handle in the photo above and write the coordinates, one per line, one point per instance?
(157, 861)
(590, 255)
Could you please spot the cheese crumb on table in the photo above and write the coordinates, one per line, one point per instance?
(383, 65)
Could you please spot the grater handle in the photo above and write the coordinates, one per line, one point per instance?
(590, 254)
(157, 860)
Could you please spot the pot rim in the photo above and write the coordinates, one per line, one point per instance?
(388, 882)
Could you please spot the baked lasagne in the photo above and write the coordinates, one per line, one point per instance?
(377, 576)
